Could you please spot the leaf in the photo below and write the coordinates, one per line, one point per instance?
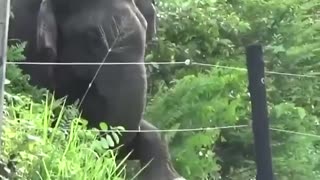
(115, 137)
(279, 110)
(225, 42)
(104, 143)
(33, 138)
(110, 141)
(302, 113)
(155, 65)
(223, 139)
(278, 49)
(103, 126)
(149, 57)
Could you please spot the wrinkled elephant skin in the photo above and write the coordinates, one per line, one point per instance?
(71, 31)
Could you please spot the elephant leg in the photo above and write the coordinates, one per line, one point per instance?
(153, 154)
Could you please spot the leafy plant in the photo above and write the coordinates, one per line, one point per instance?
(216, 32)
(207, 100)
(46, 152)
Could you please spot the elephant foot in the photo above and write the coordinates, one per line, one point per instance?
(154, 156)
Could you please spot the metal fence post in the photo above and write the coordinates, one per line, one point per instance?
(4, 28)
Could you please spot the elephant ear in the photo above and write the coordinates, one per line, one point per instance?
(47, 29)
(147, 9)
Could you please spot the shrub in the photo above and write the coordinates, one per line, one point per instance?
(207, 100)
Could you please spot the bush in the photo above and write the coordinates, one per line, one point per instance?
(43, 152)
(207, 100)
(216, 32)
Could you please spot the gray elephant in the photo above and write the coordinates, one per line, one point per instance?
(97, 31)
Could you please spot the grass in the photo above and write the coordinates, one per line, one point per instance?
(46, 152)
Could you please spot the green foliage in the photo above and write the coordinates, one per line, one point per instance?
(43, 152)
(202, 31)
(216, 31)
(214, 99)
(291, 150)
(17, 81)
(15, 52)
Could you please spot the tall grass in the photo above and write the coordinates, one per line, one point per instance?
(47, 151)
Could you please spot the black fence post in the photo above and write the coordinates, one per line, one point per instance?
(260, 121)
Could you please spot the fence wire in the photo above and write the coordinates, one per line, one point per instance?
(295, 132)
(203, 129)
(200, 129)
(186, 62)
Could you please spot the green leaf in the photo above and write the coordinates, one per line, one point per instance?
(103, 126)
(302, 113)
(149, 57)
(104, 143)
(110, 140)
(115, 137)
(34, 138)
(223, 139)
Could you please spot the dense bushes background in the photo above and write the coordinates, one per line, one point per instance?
(204, 31)
(215, 32)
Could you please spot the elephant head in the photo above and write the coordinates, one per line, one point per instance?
(60, 21)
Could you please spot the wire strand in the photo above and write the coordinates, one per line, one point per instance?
(244, 69)
(187, 62)
(163, 130)
(198, 129)
(100, 66)
(295, 132)
(182, 130)
(92, 63)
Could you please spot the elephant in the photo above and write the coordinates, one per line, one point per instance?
(95, 31)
